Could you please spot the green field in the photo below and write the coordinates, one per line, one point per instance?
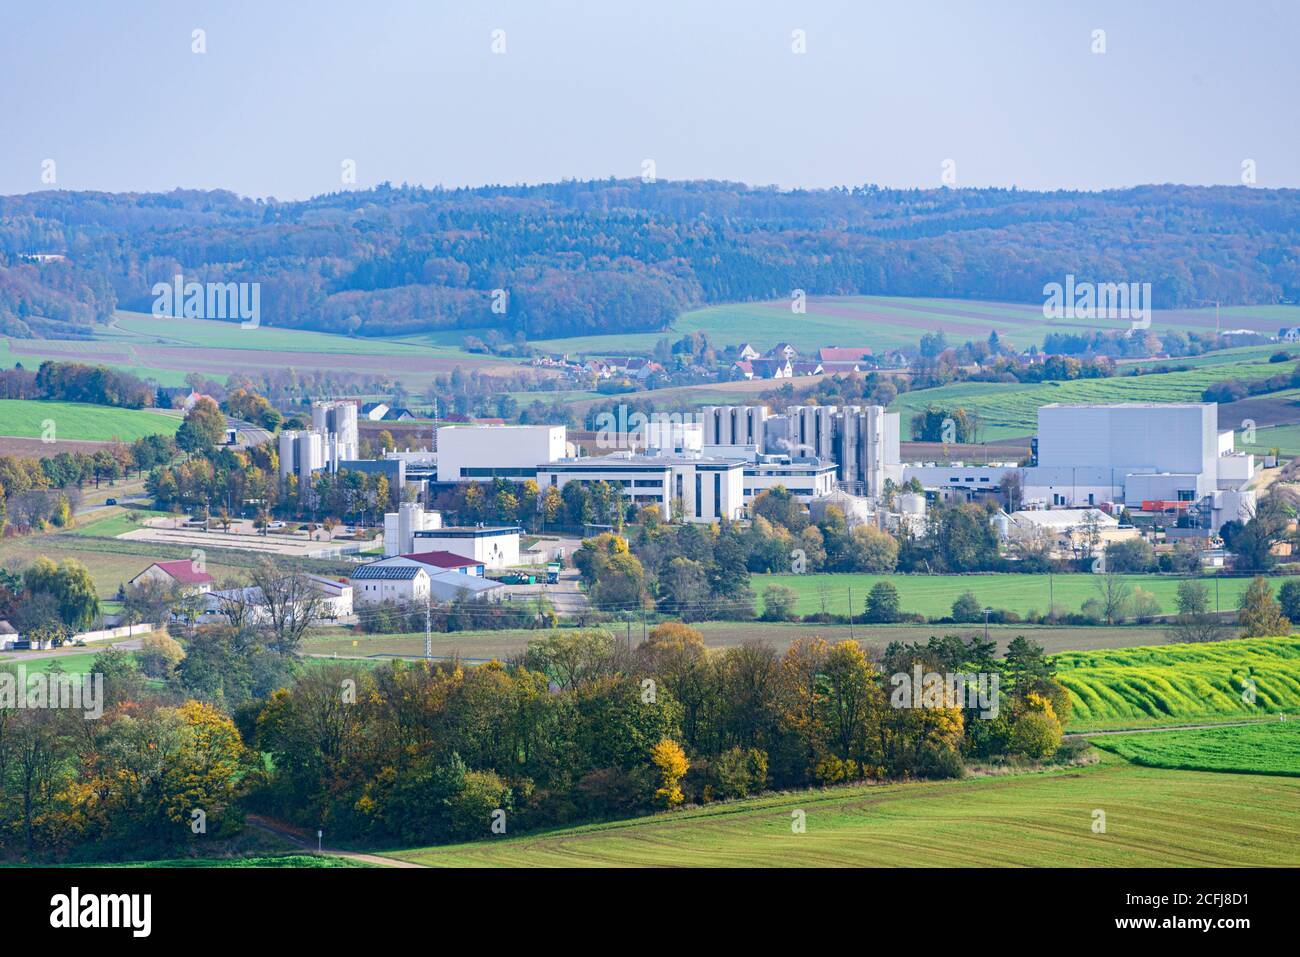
(1215, 681)
(111, 521)
(1272, 748)
(1154, 818)
(888, 322)
(26, 418)
(484, 645)
(256, 860)
(1284, 438)
(1010, 409)
(209, 334)
(70, 663)
(933, 595)
(166, 350)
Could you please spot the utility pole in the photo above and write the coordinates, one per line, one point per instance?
(428, 629)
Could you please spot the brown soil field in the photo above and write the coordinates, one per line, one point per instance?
(37, 449)
(481, 645)
(1264, 410)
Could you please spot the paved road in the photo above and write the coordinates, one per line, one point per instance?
(127, 500)
(566, 596)
(248, 433)
(296, 837)
(18, 657)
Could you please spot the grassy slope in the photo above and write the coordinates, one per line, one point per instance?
(1154, 818)
(1272, 748)
(884, 323)
(204, 334)
(1133, 687)
(80, 420)
(257, 860)
(933, 595)
(1284, 438)
(146, 346)
(1011, 409)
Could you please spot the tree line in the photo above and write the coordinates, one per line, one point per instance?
(599, 256)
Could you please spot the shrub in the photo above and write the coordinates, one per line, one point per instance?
(159, 655)
(967, 608)
(779, 603)
(1035, 732)
(738, 772)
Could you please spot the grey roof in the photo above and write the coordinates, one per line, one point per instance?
(387, 572)
(447, 586)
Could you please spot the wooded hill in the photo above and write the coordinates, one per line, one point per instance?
(622, 255)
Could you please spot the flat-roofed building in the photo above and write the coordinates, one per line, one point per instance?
(708, 489)
(493, 546)
(805, 479)
(481, 453)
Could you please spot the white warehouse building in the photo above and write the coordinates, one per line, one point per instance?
(484, 452)
(492, 546)
(1135, 453)
(1129, 454)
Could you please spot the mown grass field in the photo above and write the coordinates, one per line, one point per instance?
(933, 595)
(1010, 409)
(255, 860)
(1215, 681)
(79, 420)
(1284, 438)
(1154, 818)
(70, 663)
(891, 322)
(1272, 748)
(166, 350)
(111, 521)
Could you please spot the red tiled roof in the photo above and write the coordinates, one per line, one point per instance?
(182, 569)
(838, 354)
(443, 559)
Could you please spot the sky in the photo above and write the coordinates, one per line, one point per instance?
(114, 96)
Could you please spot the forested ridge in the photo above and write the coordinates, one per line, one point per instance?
(622, 255)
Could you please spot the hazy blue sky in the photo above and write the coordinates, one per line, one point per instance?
(1010, 91)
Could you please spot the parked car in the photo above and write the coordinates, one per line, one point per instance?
(110, 501)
